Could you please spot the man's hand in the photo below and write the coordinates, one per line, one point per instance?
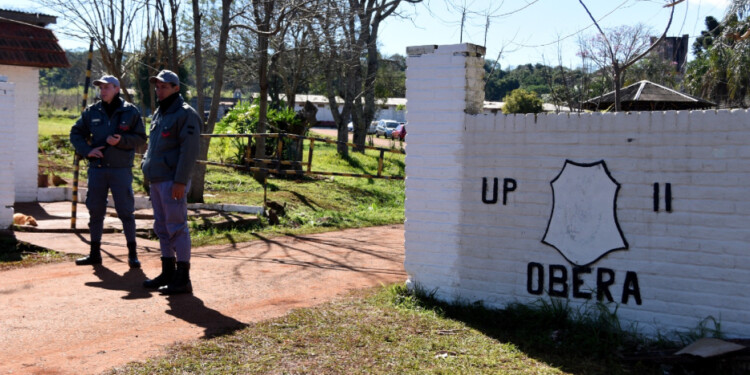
(178, 191)
(113, 139)
(96, 153)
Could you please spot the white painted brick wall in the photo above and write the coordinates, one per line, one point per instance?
(26, 121)
(691, 263)
(7, 130)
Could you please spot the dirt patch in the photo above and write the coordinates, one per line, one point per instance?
(63, 319)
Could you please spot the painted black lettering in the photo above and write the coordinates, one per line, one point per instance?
(509, 185)
(484, 192)
(667, 197)
(530, 268)
(578, 282)
(561, 280)
(631, 288)
(602, 284)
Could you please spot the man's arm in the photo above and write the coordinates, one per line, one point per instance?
(79, 133)
(189, 146)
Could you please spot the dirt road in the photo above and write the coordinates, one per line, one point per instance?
(63, 319)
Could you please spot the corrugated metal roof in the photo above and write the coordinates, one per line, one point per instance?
(28, 45)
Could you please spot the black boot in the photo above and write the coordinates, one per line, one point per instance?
(181, 282)
(133, 261)
(167, 273)
(95, 255)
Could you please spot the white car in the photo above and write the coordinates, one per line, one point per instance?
(385, 128)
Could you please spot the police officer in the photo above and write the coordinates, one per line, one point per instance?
(172, 151)
(108, 133)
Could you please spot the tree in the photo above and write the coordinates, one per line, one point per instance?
(721, 68)
(346, 44)
(522, 101)
(110, 23)
(197, 181)
(706, 40)
(622, 47)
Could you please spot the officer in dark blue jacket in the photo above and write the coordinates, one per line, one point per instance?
(107, 134)
(174, 141)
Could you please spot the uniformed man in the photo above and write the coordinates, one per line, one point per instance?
(172, 151)
(107, 134)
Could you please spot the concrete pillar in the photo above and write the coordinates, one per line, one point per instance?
(444, 87)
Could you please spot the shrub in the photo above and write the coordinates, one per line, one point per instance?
(522, 101)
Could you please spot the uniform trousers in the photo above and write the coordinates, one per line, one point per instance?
(170, 221)
(120, 182)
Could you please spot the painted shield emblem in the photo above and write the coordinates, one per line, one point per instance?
(583, 224)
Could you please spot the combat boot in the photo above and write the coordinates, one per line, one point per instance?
(133, 261)
(181, 282)
(166, 276)
(95, 255)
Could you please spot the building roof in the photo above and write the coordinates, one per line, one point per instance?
(37, 19)
(648, 96)
(24, 44)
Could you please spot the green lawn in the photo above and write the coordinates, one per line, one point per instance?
(388, 330)
(313, 204)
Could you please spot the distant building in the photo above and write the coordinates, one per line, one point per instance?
(648, 96)
(25, 47)
(674, 49)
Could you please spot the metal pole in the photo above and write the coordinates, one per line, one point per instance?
(77, 158)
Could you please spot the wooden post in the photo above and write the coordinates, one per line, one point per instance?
(310, 155)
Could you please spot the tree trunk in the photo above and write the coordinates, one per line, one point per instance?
(617, 74)
(260, 142)
(196, 190)
(368, 113)
(197, 182)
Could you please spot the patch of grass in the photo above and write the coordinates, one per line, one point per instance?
(17, 254)
(363, 334)
(389, 330)
(56, 125)
(312, 204)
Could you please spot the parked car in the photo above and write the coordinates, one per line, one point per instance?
(385, 128)
(399, 132)
(370, 129)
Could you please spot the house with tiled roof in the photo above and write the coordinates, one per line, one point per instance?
(26, 46)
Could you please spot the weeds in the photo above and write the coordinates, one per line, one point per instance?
(18, 254)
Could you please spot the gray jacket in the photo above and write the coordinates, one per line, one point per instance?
(94, 126)
(173, 145)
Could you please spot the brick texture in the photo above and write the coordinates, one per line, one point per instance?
(690, 264)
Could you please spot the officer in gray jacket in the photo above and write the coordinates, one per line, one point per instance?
(168, 164)
(107, 134)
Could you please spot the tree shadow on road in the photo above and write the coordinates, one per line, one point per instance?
(131, 282)
(192, 310)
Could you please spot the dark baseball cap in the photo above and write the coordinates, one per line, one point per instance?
(167, 76)
(107, 79)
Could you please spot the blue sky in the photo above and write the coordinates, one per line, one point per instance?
(525, 31)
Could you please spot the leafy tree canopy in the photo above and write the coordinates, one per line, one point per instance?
(522, 101)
